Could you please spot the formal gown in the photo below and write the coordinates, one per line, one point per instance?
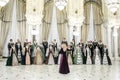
(97, 56)
(106, 58)
(12, 59)
(43, 52)
(27, 56)
(64, 68)
(105, 61)
(88, 52)
(18, 48)
(23, 57)
(38, 58)
(69, 56)
(59, 56)
(78, 56)
(50, 56)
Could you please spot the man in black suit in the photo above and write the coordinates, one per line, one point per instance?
(101, 48)
(18, 48)
(10, 44)
(45, 44)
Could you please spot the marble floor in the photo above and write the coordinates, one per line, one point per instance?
(50, 72)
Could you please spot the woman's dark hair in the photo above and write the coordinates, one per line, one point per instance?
(11, 40)
(65, 43)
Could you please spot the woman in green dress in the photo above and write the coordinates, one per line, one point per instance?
(78, 56)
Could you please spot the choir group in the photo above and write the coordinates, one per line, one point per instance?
(92, 52)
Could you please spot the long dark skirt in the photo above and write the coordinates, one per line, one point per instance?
(9, 61)
(64, 68)
(23, 60)
(109, 60)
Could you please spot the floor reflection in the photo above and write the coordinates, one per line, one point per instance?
(50, 72)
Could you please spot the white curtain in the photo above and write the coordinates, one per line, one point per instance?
(21, 19)
(48, 9)
(98, 19)
(6, 13)
(13, 32)
(91, 31)
(53, 34)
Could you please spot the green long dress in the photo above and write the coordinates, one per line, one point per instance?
(78, 56)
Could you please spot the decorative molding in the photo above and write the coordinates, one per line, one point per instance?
(93, 2)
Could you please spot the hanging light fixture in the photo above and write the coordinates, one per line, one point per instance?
(60, 4)
(3, 2)
(113, 5)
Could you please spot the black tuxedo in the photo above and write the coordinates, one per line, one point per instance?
(108, 58)
(101, 48)
(91, 47)
(45, 44)
(9, 47)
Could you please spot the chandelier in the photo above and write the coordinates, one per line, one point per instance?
(3, 2)
(60, 4)
(113, 5)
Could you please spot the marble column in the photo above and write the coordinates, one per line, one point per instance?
(79, 34)
(115, 34)
(109, 41)
(70, 33)
(104, 34)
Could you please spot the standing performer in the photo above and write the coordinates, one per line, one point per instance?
(88, 54)
(101, 48)
(18, 48)
(81, 45)
(59, 54)
(64, 68)
(43, 51)
(10, 44)
(33, 51)
(106, 58)
(78, 59)
(55, 48)
(69, 55)
(38, 58)
(91, 47)
(96, 56)
(50, 55)
(12, 59)
(27, 54)
(72, 46)
(45, 44)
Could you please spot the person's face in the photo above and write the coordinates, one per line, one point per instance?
(64, 46)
